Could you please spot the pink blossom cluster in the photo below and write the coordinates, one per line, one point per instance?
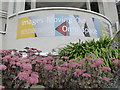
(2, 87)
(29, 69)
(29, 76)
(64, 57)
(106, 69)
(106, 79)
(3, 67)
(117, 62)
(79, 72)
(97, 63)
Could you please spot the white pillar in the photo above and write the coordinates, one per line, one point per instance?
(110, 11)
(100, 5)
(33, 4)
(20, 6)
(88, 5)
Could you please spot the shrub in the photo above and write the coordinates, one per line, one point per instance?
(103, 48)
(29, 67)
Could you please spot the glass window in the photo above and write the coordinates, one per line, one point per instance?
(27, 5)
(61, 4)
(94, 7)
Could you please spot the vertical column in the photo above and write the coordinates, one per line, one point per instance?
(110, 11)
(88, 5)
(3, 18)
(20, 6)
(100, 5)
(33, 4)
(10, 7)
(0, 28)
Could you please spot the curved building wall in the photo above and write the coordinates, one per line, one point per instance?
(53, 27)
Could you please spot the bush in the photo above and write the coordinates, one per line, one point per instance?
(103, 48)
(29, 67)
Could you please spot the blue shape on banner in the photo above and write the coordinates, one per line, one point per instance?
(61, 23)
(76, 17)
(97, 26)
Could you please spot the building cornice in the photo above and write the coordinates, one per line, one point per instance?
(61, 8)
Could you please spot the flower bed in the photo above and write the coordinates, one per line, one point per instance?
(29, 67)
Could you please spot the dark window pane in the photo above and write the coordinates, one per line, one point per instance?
(27, 5)
(94, 7)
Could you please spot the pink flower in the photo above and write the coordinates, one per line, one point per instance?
(18, 63)
(12, 63)
(49, 58)
(106, 79)
(48, 67)
(65, 64)
(116, 62)
(34, 62)
(80, 62)
(26, 66)
(79, 71)
(86, 58)
(39, 51)
(99, 61)
(14, 58)
(64, 68)
(73, 64)
(2, 87)
(32, 58)
(64, 57)
(25, 60)
(37, 67)
(111, 58)
(2, 51)
(14, 50)
(71, 60)
(3, 67)
(33, 78)
(13, 66)
(6, 58)
(29, 76)
(34, 74)
(93, 65)
(86, 75)
(24, 75)
(32, 48)
(106, 69)
(57, 67)
(55, 57)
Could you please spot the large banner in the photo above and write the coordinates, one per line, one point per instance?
(61, 25)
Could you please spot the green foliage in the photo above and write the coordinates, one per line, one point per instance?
(93, 49)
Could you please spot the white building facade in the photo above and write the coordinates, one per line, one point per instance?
(49, 25)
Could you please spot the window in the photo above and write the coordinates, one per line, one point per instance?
(61, 4)
(27, 5)
(94, 7)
